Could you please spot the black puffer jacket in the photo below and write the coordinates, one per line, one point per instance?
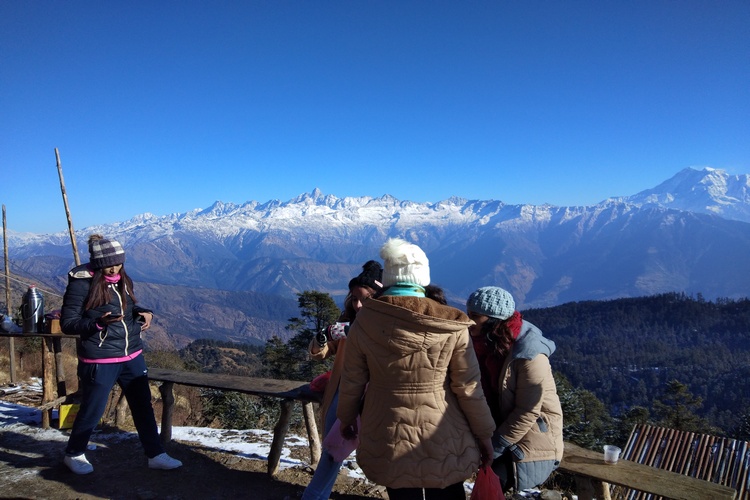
(119, 339)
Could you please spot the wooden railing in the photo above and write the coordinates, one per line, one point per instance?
(593, 478)
(54, 393)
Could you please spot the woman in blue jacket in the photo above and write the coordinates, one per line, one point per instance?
(100, 307)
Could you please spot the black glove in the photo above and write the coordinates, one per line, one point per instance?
(321, 338)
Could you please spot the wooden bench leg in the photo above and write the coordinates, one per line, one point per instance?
(603, 491)
(49, 379)
(279, 433)
(121, 410)
(312, 433)
(167, 398)
(588, 489)
(62, 390)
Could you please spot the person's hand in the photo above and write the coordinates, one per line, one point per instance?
(486, 452)
(107, 319)
(147, 317)
(500, 444)
(349, 432)
(517, 452)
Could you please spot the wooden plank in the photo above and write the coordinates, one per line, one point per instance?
(578, 460)
(248, 385)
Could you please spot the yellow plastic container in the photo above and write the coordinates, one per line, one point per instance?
(67, 415)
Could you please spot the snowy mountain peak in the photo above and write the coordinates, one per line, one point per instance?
(649, 243)
(315, 197)
(708, 191)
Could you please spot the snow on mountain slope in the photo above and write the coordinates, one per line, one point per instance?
(661, 240)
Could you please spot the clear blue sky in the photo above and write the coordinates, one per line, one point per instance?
(164, 106)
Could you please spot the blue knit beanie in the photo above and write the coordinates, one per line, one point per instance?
(491, 301)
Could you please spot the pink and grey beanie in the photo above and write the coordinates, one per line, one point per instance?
(491, 301)
(104, 252)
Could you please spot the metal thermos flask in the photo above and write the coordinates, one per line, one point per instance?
(32, 311)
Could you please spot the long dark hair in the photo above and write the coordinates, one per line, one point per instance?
(99, 293)
(435, 293)
(499, 335)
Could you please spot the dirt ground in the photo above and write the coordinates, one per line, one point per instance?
(30, 468)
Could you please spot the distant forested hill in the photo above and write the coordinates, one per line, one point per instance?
(626, 350)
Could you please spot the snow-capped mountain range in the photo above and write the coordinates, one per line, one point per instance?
(689, 234)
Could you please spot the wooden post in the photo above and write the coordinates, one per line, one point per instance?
(12, 348)
(279, 433)
(312, 433)
(48, 375)
(60, 374)
(121, 410)
(67, 210)
(59, 368)
(167, 398)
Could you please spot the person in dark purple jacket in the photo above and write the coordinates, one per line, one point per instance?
(100, 307)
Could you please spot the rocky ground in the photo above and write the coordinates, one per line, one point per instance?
(32, 468)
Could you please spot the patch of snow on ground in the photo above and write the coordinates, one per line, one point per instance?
(249, 444)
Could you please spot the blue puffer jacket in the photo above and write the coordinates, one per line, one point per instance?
(119, 339)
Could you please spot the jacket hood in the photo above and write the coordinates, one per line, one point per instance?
(531, 342)
(413, 323)
(81, 272)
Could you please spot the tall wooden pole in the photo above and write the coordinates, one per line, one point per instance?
(55, 343)
(67, 210)
(12, 349)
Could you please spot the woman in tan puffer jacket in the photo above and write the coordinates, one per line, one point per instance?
(517, 380)
(424, 420)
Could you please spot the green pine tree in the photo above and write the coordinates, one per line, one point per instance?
(677, 410)
(291, 360)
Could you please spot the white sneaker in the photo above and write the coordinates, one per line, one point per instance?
(163, 461)
(78, 464)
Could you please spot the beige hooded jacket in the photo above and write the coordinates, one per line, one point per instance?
(424, 403)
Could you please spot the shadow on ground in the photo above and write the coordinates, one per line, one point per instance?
(32, 468)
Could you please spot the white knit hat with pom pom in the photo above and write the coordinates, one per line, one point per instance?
(404, 263)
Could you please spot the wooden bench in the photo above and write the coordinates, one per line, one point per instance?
(287, 391)
(593, 478)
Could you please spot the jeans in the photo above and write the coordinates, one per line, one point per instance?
(327, 471)
(96, 381)
(503, 467)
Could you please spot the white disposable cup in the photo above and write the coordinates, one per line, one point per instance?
(611, 454)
